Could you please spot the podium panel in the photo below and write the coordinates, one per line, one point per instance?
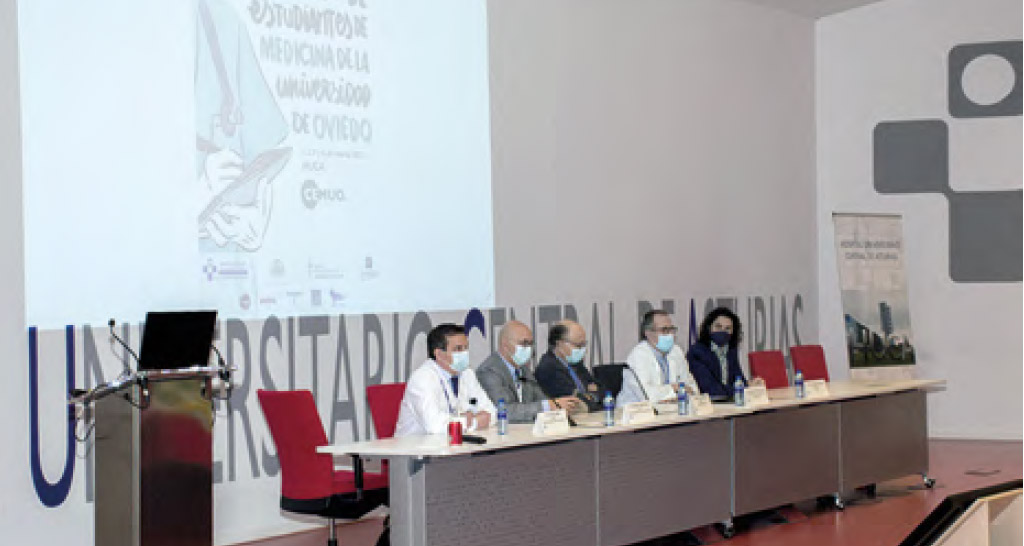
(154, 467)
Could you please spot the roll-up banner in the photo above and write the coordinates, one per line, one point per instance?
(873, 285)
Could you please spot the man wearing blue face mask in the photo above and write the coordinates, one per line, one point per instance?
(506, 375)
(656, 364)
(713, 360)
(443, 385)
(561, 371)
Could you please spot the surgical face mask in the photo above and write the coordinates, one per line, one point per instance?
(665, 342)
(720, 338)
(460, 361)
(522, 354)
(576, 356)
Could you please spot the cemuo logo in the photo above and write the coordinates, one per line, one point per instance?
(312, 194)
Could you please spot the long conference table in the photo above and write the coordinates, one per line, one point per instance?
(608, 486)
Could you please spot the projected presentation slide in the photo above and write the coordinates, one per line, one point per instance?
(254, 156)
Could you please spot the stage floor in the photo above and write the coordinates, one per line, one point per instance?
(956, 465)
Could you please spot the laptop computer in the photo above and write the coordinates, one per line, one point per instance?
(176, 339)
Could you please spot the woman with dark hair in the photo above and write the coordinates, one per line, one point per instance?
(713, 359)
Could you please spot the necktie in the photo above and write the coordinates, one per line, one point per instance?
(519, 374)
(576, 379)
(455, 386)
(663, 364)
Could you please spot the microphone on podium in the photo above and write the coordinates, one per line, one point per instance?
(127, 368)
(143, 383)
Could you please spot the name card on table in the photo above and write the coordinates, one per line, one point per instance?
(755, 396)
(700, 404)
(551, 423)
(816, 388)
(637, 413)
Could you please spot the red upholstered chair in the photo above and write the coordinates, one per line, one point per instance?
(809, 359)
(309, 482)
(770, 366)
(385, 400)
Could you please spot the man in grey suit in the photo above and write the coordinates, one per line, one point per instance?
(506, 375)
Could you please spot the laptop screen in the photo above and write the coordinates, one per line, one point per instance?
(177, 339)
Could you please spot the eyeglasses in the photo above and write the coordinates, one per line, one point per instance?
(580, 345)
(665, 330)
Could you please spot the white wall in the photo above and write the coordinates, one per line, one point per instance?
(886, 62)
(652, 150)
(640, 148)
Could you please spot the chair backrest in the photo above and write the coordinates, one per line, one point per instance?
(609, 376)
(385, 400)
(297, 431)
(770, 366)
(809, 359)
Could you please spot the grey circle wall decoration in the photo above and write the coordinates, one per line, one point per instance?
(961, 58)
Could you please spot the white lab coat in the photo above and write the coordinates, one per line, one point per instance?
(645, 368)
(429, 400)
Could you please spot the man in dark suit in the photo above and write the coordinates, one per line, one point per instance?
(561, 371)
(506, 375)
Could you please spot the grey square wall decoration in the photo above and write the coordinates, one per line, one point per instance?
(985, 237)
(911, 156)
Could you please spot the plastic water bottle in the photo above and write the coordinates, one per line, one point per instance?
(502, 417)
(609, 409)
(683, 399)
(798, 384)
(737, 392)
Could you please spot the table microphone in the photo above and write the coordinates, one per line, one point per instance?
(642, 389)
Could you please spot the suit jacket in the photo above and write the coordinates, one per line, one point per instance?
(555, 380)
(707, 371)
(496, 380)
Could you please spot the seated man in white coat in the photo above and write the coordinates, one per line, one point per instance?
(656, 364)
(443, 385)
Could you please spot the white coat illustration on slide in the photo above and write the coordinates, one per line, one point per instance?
(240, 132)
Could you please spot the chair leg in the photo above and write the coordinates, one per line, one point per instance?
(385, 534)
(332, 533)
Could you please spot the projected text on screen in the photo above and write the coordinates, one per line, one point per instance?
(254, 156)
